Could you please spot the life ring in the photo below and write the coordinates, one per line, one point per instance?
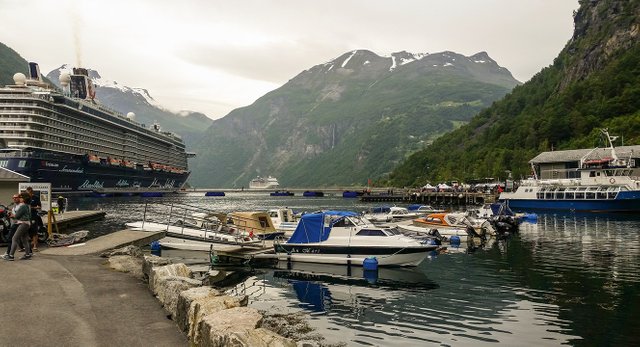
(612, 180)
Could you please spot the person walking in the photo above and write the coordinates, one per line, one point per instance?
(14, 225)
(23, 220)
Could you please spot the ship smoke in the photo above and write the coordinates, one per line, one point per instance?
(76, 24)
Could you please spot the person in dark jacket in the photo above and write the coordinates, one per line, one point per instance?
(36, 204)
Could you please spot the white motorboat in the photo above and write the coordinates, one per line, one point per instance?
(423, 232)
(424, 209)
(402, 213)
(283, 220)
(193, 233)
(379, 214)
(340, 237)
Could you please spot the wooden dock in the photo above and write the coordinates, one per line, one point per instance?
(71, 219)
(434, 198)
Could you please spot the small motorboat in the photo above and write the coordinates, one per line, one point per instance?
(342, 237)
(378, 214)
(284, 220)
(455, 220)
(424, 209)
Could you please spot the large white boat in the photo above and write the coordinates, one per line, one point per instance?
(67, 138)
(264, 183)
(340, 237)
(599, 180)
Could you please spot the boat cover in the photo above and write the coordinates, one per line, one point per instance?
(312, 228)
(500, 209)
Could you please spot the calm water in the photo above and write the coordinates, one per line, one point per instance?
(570, 279)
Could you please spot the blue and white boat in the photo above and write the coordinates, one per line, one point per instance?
(596, 180)
(340, 237)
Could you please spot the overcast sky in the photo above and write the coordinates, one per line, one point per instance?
(213, 56)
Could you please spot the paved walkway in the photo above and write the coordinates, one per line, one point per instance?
(54, 300)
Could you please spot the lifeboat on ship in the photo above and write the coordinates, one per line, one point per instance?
(114, 161)
(94, 159)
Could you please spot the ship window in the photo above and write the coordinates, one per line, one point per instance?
(592, 174)
(22, 163)
(4, 163)
(371, 232)
(569, 195)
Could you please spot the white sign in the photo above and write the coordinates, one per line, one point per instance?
(43, 190)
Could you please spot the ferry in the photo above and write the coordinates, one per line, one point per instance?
(264, 183)
(589, 180)
(66, 138)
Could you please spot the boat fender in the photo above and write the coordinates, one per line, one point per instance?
(612, 180)
(454, 240)
(370, 264)
(156, 248)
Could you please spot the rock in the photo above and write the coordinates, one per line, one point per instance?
(157, 272)
(188, 306)
(151, 261)
(131, 250)
(229, 329)
(168, 289)
(126, 263)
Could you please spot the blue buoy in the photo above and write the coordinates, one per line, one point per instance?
(156, 248)
(370, 263)
(370, 276)
(454, 240)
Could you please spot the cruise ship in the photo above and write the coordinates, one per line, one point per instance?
(264, 183)
(591, 180)
(66, 138)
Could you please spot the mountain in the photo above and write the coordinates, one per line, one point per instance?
(10, 63)
(344, 121)
(593, 83)
(189, 125)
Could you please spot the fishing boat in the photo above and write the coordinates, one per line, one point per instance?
(67, 138)
(342, 237)
(597, 180)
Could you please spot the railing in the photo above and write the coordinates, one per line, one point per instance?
(196, 223)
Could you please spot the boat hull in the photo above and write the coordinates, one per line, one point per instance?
(352, 255)
(626, 202)
(74, 174)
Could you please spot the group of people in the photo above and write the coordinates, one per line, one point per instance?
(22, 234)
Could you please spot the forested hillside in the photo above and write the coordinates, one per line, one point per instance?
(594, 82)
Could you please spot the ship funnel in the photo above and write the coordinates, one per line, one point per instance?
(81, 86)
(34, 72)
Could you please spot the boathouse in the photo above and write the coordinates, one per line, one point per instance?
(9, 181)
(564, 164)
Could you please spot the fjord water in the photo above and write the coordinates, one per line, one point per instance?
(568, 279)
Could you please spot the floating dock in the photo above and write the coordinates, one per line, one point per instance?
(434, 198)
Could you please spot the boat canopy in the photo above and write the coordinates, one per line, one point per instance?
(316, 227)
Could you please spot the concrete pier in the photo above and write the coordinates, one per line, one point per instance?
(107, 242)
(78, 301)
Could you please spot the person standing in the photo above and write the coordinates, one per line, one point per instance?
(23, 220)
(36, 204)
(61, 204)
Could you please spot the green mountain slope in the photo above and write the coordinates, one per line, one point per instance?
(347, 120)
(594, 82)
